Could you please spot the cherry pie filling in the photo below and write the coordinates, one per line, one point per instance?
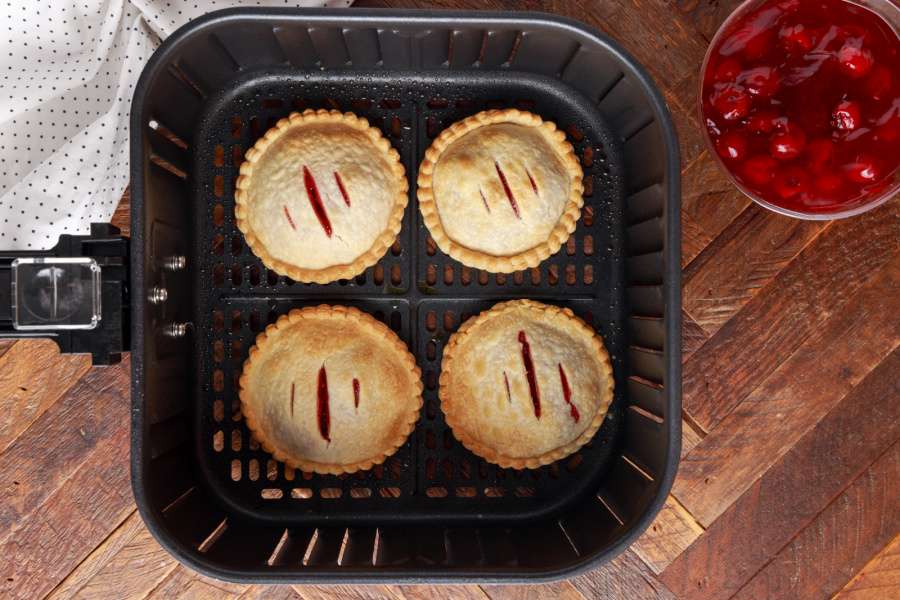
(801, 99)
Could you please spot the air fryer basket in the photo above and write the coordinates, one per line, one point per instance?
(433, 511)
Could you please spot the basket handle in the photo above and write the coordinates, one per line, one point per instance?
(75, 293)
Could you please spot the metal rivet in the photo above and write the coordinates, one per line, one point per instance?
(174, 263)
(175, 330)
(157, 295)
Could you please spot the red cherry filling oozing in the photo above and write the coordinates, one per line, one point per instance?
(530, 374)
(323, 415)
(343, 190)
(531, 377)
(315, 200)
(802, 102)
(355, 392)
(509, 194)
(567, 393)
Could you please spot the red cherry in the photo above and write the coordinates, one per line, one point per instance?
(732, 146)
(760, 81)
(819, 152)
(732, 102)
(862, 170)
(790, 181)
(789, 5)
(855, 60)
(828, 184)
(890, 131)
(764, 121)
(846, 116)
(787, 144)
(759, 169)
(758, 45)
(796, 38)
(728, 70)
(878, 83)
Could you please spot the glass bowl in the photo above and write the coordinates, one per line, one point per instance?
(889, 11)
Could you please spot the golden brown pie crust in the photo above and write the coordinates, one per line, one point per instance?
(544, 247)
(378, 146)
(503, 426)
(278, 390)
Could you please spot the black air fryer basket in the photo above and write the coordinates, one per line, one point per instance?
(199, 297)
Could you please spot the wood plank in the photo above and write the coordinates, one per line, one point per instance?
(562, 590)
(879, 579)
(673, 530)
(780, 318)
(792, 399)
(61, 439)
(269, 592)
(33, 376)
(826, 554)
(436, 592)
(790, 494)
(706, 17)
(98, 558)
(691, 435)
(709, 203)
(5, 345)
(121, 218)
(185, 583)
(692, 336)
(348, 592)
(625, 577)
(137, 567)
(690, 135)
(744, 258)
(42, 549)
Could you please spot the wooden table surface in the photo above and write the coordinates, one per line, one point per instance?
(789, 485)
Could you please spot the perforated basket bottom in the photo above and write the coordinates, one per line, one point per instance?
(419, 292)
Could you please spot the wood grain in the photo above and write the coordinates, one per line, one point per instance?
(691, 435)
(879, 579)
(839, 541)
(792, 492)
(762, 334)
(184, 583)
(43, 549)
(33, 376)
(561, 591)
(672, 531)
(781, 410)
(64, 437)
(709, 202)
(746, 257)
(625, 577)
(427, 592)
(99, 557)
(692, 336)
(352, 592)
(128, 564)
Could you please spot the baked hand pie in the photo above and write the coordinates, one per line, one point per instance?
(329, 389)
(320, 196)
(525, 384)
(501, 190)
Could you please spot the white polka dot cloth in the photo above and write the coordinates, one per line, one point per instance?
(67, 75)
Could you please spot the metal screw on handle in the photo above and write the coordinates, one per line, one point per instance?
(157, 295)
(176, 330)
(174, 263)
